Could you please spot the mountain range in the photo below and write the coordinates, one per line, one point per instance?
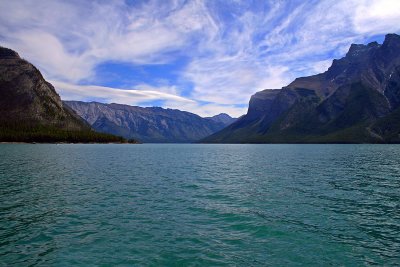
(32, 111)
(357, 100)
(148, 124)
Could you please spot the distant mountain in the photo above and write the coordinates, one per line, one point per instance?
(32, 111)
(222, 118)
(151, 124)
(357, 100)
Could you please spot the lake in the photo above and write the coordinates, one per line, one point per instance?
(199, 205)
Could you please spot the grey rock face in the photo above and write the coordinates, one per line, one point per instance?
(26, 98)
(152, 124)
(339, 105)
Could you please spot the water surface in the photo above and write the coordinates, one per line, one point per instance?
(199, 205)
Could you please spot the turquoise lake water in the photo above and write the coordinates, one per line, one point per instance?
(199, 205)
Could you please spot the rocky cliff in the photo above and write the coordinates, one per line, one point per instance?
(32, 111)
(355, 101)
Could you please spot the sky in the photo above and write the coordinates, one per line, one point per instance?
(201, 56)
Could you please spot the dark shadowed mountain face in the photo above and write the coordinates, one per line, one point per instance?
(31, 110)
(25, 97)
(356, 100)
(151, 125)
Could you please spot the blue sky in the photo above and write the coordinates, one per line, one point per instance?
(201, 56)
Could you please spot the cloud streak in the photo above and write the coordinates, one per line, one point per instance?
(116, 95)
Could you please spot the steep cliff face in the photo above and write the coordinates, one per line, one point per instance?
(153, 125)
(31, 110)
(25, 97)
(343, 104)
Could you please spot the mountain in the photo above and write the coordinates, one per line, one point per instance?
(151, 124)
(222, 118)
(357, 100)
(32, 111)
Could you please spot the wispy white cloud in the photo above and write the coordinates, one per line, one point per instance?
(49, 54)
(214, 80)
(232, 49)
(377, 16)
(143, 93)
(68, 39)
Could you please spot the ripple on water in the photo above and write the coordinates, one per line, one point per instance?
(199, 205)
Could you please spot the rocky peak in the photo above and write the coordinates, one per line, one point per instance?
(357, 50)
(391, 45)
(373, 44)
(223, 118)
(359, 58)
(6, 53)
(392, 39)
(222, 115)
